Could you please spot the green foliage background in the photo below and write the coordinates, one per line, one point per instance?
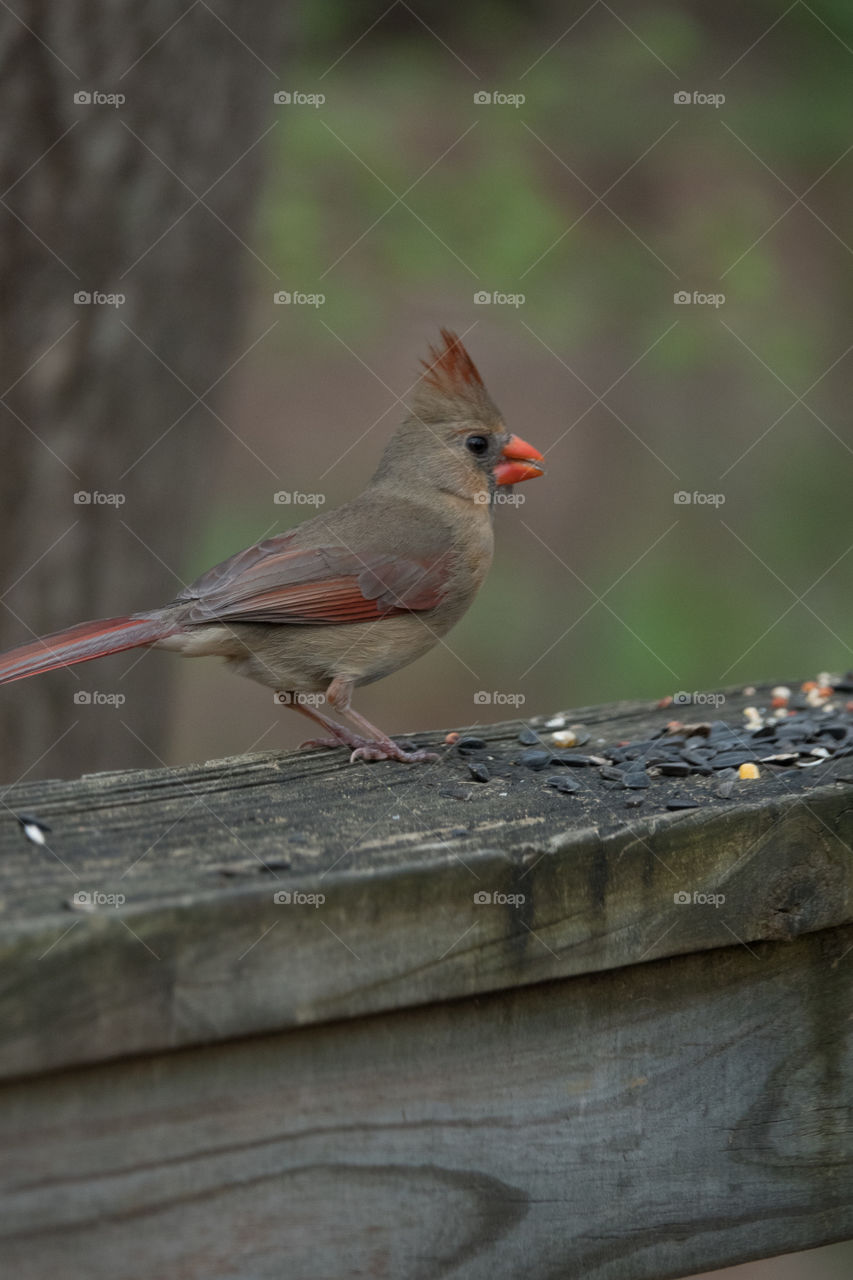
(692, 197)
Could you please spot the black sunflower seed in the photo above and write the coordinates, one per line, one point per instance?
(563, 782)
(536, 759)
(731, 759)
(609, 774)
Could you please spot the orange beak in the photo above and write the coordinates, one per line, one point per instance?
(521, 462)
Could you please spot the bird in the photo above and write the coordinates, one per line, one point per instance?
(345, 598)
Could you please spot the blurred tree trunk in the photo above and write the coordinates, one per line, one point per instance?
(103, 398)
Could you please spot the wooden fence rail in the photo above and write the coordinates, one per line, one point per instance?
(279, 1016)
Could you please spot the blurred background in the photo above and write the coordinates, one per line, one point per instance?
(228, 238)
(655, 206)
(589, 206)
(638, 222)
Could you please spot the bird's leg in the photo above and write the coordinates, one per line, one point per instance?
(341, 737)
(372, 744)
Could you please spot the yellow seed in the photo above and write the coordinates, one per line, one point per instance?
(748, 771)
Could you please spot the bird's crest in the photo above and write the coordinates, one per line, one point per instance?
(450, 369)
(451, 386)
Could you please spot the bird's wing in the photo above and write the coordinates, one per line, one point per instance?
(279, 582)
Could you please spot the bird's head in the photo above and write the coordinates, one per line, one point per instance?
(455, 438)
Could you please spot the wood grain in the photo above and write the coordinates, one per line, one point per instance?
(638, 1124)
(200, 951)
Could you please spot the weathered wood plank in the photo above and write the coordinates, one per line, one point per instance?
(200, 950)
(633, 1125)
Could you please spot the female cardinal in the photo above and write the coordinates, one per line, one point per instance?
(349, 597)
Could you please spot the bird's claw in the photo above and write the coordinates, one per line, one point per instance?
(323, 742)
(372, 751)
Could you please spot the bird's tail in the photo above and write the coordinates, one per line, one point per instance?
(82, 643)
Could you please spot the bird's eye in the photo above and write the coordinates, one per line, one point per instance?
(477, 444)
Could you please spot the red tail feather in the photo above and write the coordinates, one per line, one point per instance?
(80, 644)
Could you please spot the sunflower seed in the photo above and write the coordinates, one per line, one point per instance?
(563, 782)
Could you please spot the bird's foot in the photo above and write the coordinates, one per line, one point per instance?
(390, 750)
(323, 742)
(371, 749)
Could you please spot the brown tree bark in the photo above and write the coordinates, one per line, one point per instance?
(101, 398)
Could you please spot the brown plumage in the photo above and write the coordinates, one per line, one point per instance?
(345, 598)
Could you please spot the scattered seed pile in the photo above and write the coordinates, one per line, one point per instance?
(796, 731)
